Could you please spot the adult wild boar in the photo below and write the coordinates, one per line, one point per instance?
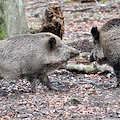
(107, 46)
(33, 57)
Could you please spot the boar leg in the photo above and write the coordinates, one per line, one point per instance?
(117, 82)
(33, 84)
(117, 73)
(47, 82)
(32, 80)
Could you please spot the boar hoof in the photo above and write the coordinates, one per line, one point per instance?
(56, 88)
(3, 92)
(53, 87)
(33, 91)
(115, 85)
(33, 84)
(50, 86)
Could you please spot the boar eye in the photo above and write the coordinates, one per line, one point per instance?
(52, 42)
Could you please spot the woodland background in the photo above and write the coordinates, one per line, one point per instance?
(86, 98)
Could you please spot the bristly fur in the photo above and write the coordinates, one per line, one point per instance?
(33, 56)
(108, 47)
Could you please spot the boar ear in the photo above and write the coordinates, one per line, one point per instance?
(52, 42)
(95, 33)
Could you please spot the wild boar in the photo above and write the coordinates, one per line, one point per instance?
(33, 56)
(107, 46)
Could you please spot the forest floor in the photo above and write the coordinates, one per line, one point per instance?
(82, 101)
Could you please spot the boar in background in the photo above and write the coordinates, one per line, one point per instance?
(107, 46)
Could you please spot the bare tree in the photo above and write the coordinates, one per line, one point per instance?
(12, 18)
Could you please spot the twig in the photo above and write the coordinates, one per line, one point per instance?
(34, 7)
(80, 10)
(59, 81)
(92, 83)
(96, 2)
(32, 3)
(36, 13)
(58, 115)
(118, 8)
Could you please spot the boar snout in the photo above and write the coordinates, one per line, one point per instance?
(74, 53)
(91, 59)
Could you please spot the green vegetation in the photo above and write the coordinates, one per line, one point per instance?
(70, 100)
(3, 34)
(104, 0)
(69, 0)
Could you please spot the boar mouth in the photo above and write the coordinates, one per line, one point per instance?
(102, 61)
(91, 59)
(72, 55)
(99, 60)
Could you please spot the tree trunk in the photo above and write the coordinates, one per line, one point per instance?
(12, 18)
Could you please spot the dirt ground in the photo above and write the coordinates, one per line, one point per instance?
(82, 101)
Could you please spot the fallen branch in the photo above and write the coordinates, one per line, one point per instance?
(89, 68)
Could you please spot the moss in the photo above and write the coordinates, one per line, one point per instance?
(104, 1)
(89, 69)
(87, 56)
(76, 99)
(69, 0)
(3, 34)
(84, 55)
